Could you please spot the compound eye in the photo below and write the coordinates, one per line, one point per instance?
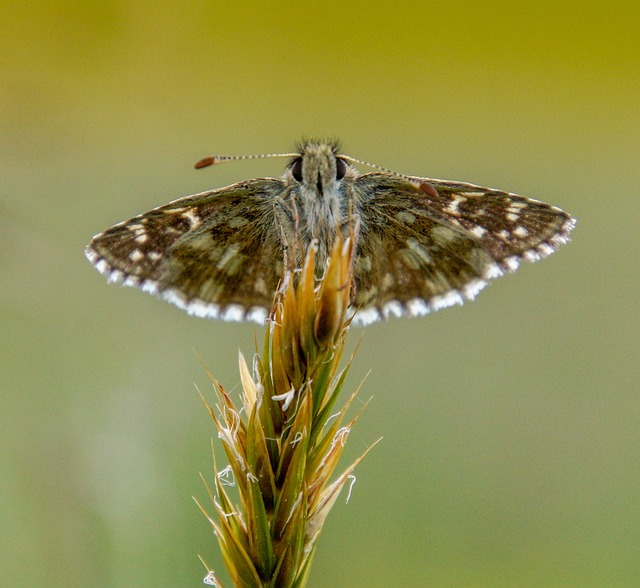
(341, 168)
(296, 169)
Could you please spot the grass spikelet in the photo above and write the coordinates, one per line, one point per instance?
(282, 441)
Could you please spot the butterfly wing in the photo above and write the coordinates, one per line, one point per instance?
(215, 254)
(427, 244)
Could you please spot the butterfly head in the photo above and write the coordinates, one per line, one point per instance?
(318, 169)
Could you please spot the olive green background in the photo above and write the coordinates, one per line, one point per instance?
(511, 425)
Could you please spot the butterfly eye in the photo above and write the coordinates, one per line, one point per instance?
(341, 168)
(296, 169)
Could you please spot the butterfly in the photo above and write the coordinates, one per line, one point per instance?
(422, 244)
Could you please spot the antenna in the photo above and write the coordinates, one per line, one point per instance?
(373, 165)
(215, 159)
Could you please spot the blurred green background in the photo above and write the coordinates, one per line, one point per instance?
(511, 451)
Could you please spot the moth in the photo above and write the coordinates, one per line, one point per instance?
(423, 244)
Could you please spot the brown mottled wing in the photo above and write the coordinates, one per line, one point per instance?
(426, 244)
(213, 254)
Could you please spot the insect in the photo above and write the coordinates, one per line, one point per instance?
(423, 244)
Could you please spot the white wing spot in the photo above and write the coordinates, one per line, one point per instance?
(233, 313)
(261, 286)
(115, 276)
(392, 308)
(102, 266)
(447, 299)
(131, 281)
(417, 307)
(452, 207)
(492, 271)
(231, 261)
(420, 251)
(150, 286)
(405, 217)
(471, 289)
(257, 314)
(520, 231)
(192, 217)
(364, 263)
(366, 316)
(443, 235)
(478, 231)
(545, 249)
(511, 263)
(136, 255)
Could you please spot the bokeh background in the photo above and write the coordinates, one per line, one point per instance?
(511, 451)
